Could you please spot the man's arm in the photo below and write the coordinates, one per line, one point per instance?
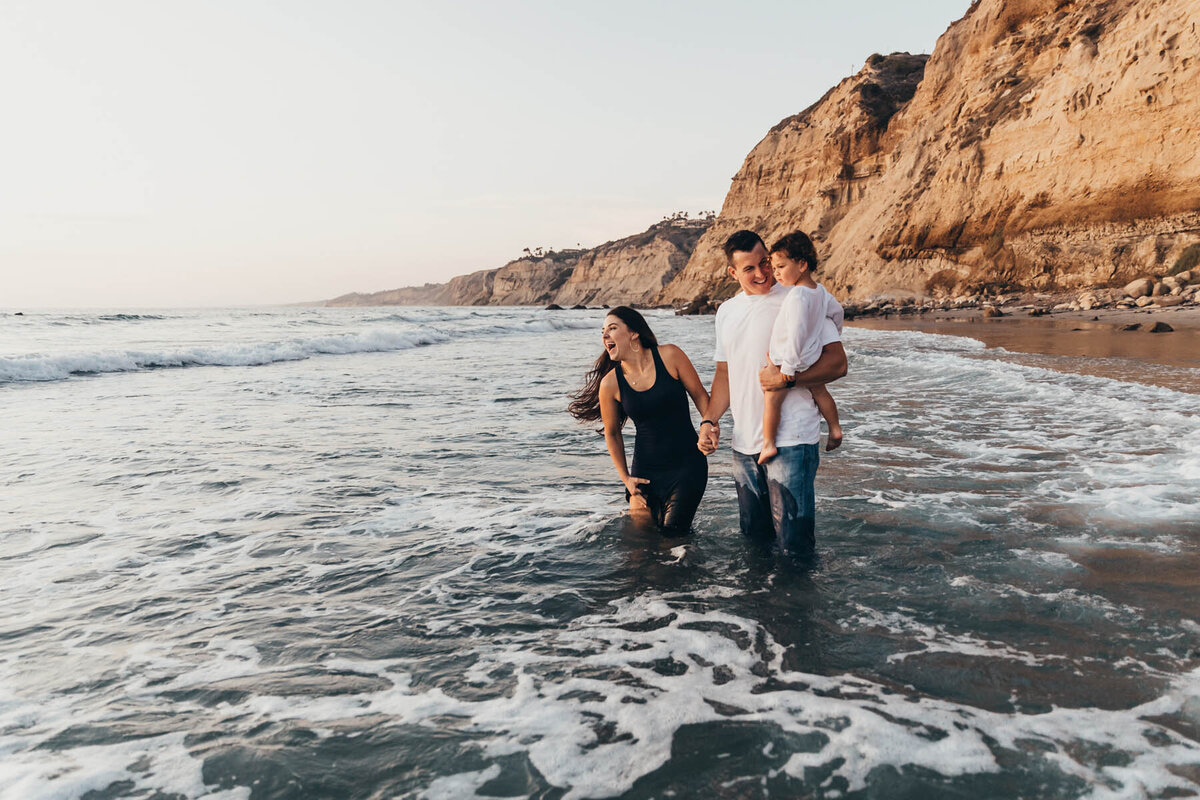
(828, 368)
(718, 404)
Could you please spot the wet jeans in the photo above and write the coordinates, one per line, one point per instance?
(777, 500)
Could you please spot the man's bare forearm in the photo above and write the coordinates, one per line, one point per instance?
(828, 368)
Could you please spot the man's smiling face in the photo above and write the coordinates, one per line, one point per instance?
(752, 270)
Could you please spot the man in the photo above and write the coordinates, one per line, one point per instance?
(776, 499)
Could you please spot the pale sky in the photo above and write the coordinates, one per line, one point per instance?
(170, 153)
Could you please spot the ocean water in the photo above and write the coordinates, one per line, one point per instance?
(333, 553)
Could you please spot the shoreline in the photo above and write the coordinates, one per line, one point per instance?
(1098, 341)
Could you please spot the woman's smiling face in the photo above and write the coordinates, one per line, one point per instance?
(617, 338)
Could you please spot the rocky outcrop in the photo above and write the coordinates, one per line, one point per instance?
(630, 270)
(527, 281)
(1046, 144)
(635, 269)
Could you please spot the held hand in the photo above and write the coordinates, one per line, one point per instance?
(770, 378)
(710, 436)
(632, 483)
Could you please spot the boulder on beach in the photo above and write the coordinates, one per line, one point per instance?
(992, 311)
(1168, 300)
(554, 307)
(1161, 327)
(1144, 301)
(1139, 288)
(1132, 327)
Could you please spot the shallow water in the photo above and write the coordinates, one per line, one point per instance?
(1102, 348)
(364, 553)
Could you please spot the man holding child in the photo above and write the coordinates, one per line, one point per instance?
(775, 498)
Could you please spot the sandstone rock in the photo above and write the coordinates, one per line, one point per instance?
(554, 307)
(700, 305)
(1159, 290)
(634, 269)
(1142, 302)
(1063, 307)
(1161, 327)
(1139, 288)
(1135, 326)
(625, 271)
(965, 178)
(1169, 300)
(992, 311)
(1187, 277)
(1170, 282)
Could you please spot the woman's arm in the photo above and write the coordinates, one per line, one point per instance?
(610, 413)
(677, 362)
(718, 404)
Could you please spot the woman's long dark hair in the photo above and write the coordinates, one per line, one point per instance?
(585, 403)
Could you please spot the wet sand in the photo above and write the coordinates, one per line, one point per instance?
(1092, 342)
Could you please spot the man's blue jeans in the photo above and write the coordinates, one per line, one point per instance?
(777, 500)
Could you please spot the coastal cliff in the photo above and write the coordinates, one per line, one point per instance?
(630, 270)
(1045, 144)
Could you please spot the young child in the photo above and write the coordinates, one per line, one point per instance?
(795, 344)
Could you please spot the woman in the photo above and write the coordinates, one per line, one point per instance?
(636, 378)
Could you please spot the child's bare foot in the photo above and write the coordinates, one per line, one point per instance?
(834, 440)
(769, 451)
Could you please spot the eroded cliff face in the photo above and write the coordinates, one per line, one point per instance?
(1044, 144)
(635, 269)
(526, 281)
(630, 270)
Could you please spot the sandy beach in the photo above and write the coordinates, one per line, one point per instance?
(1099, 339)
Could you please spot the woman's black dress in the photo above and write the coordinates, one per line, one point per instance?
(665, 451)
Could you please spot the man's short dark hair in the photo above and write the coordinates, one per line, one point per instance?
(742, 242)
(798, 247)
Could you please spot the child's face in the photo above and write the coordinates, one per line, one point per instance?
(787, 271)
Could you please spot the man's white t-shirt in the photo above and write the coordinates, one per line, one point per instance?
(743, 329)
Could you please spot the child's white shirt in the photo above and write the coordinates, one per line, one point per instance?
(795, 337)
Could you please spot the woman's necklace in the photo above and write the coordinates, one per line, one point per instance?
(644, 375)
